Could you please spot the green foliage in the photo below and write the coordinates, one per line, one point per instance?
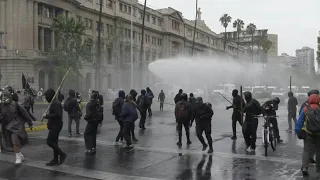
(251, 28)
(71, 50)
(225, 20)
(238, 25)
(266, 45)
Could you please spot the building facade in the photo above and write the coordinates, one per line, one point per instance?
(318, 54)
(26, 36)
(306, 59)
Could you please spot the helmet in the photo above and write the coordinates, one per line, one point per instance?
(276, 100)
(184, 96)
(314, 91)
(6, 97)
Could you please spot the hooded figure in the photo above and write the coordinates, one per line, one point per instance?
(116, 111)
(55, 124)
(250, 125)
(71, 105)
(143, 104)
(311, 140)
(236, 115)
(13, 118)
(161, 99)
(150, 95)
(177, 98)
(292, 110)
(133, 94)
(183, 114)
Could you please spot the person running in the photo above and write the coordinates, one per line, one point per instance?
(150, 95)
(236, 114)
(143, 105)
(161, 99)
(203, 115)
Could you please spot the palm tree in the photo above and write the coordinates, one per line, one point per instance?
(225, 20)
(238, 24)
(266, 46)
(251, 29)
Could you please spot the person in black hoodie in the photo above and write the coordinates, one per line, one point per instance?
(292, 110)
(72, 107)
(236, 115)
(177, 98)
(55, 124)
(116, 111)
(203, 115)
(143, 104)
(94, 119)
(183, 114)
(133, 93)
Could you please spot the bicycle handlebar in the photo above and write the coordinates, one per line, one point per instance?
(265, 116)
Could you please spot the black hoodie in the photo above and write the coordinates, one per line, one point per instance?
(54, 115)
(72, 105)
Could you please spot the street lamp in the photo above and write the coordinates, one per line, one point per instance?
(131, 48)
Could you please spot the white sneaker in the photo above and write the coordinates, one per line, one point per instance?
(251, 150)
(118, 144)
(18, 158)
(247, 148)
(22, 157)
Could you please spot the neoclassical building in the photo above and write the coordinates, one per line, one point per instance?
(26, 38)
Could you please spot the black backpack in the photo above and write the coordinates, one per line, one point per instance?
(99, 113)
(313, 123)
(116, 107)
(182, 112)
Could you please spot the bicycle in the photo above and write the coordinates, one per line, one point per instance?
(268, 134)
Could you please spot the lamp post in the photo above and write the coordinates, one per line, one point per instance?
(131, 48)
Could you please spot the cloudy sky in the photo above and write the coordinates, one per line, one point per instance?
(297, 22)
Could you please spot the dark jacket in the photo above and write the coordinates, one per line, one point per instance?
(188, 111)
(150, 95)
(55, 114)
(133, 95)
(73, 105)
(236, 104)
(121, 98)
(292, 104)
(177, 98)
(270, 108)
(91, 111)
(203, 114)
(303, 105)
(161, 97)
(252, 108)
(129, 112)
(13, 120)
(145, 105)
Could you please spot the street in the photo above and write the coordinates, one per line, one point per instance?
(156, 156)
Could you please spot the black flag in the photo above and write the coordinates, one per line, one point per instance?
(25, 84)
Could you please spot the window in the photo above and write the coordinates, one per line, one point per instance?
(154, 55)
(175, 25)
(159, 42)
(121, 6)
(154, 40)
(140, 14)
(47, 12)
(140, 36)
(212, 41)
(40, 9)
(147, 55)
(109, 3)
(99, 25)
(153, 20)
(197, 35)
(202, 36)
(129, 9)
(79, 18)
(109, 50)
(125, 8)
(175, 47)
(134, 35)
(147, 39)
(207, 40)
(88, 23)
(134, 12)
(127, 33)
(147, 17)
(159, 22)
(189, 32)
(109, 28)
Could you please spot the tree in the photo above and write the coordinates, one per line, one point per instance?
(71, 50)
(225, 20)
(238, 25)
(251, 29)
(266, 45)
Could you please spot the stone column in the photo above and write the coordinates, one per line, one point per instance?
(46, 80)
(42, 39)
(3, 20)
(9, 25)
(35, 26)
(53, 40)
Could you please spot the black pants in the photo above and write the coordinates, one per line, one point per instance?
(186, 125)
(132, 132)
(150, 110)
(161, 106)
(249, 130)
(143, 117)
(77, 120)
(206, 128)
(90, 135)
(127, 128)
(52, 141)
(292, 115)
(119, 136)
(236, 117)
(274, 123)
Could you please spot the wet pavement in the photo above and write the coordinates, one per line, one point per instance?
(156, 156)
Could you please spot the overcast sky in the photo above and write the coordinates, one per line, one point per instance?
(297, 22)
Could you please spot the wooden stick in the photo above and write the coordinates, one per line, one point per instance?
(63, 80)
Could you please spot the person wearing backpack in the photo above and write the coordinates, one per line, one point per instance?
(143, 105)
(203, 115)
(133, 93)
(183, 114)
(129, 115)
(94, 116)
(116, 111)
(308, 129)
(72, 107)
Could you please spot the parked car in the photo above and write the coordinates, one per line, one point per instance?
(260, 92)
(280, 93)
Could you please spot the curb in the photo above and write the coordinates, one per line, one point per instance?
(37, 128)
(84, 103)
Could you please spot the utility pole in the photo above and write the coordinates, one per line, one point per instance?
(195, 28)
(142, 38)
(98, 58)
(131, 48)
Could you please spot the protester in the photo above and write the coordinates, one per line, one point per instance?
(116, 111)
(177, 98)
(183, 114)
(71, 106)
(55, 124)
(150, 95)
(236, 114)
(133, 93)
(161, 99)
(143, 105)
(292, 110)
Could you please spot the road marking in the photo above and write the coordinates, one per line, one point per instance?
(294, 174)
(94, 174)
(186, 151)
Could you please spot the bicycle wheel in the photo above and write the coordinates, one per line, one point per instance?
(265, 142)
(273, 140)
